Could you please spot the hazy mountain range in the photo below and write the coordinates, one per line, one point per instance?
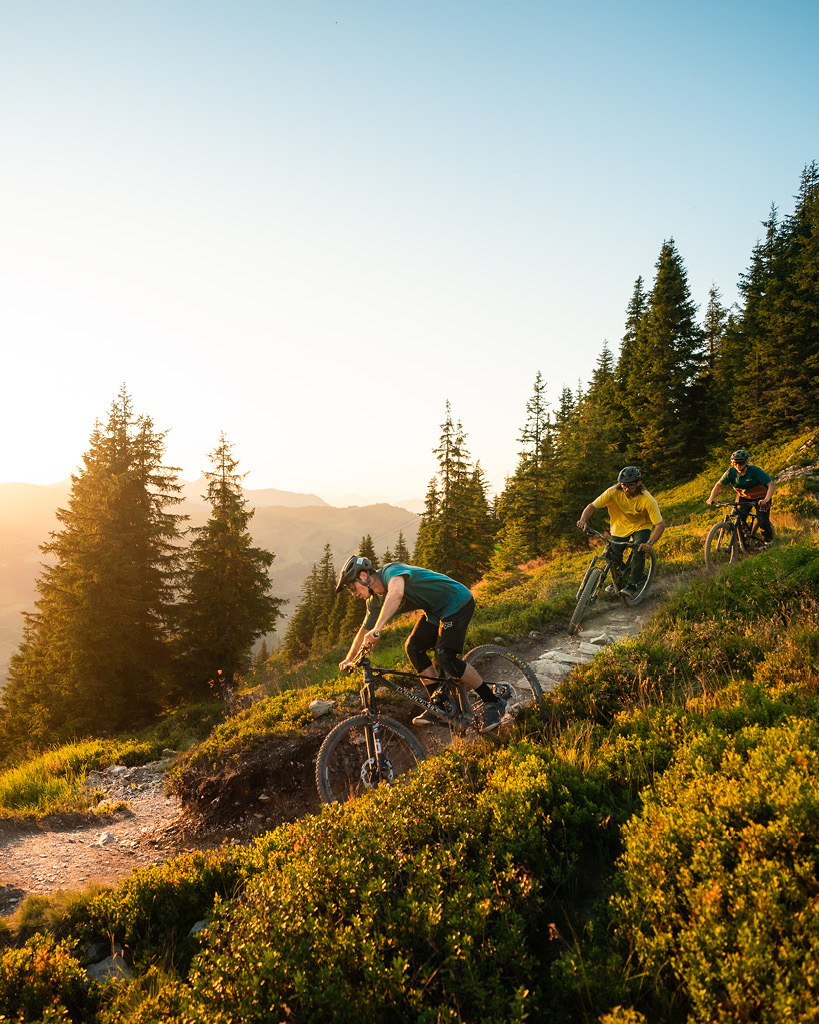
(295, 527)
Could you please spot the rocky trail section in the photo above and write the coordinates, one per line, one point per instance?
(278, 786)
(72, 851)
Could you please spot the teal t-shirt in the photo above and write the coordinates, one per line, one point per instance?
(437, 595)
(752, 484)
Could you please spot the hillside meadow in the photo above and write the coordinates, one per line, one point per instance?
(646, 850)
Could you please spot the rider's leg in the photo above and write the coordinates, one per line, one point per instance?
(419, 642)
(743, 508)
(763, 517)
(638, 565)
(452, 640)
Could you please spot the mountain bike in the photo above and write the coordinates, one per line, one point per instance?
(738, 533)
(371, 750)
(610, 563)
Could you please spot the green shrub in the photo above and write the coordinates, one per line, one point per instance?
(152, 912)
(42, 982)
(376, 912)
(719, 877)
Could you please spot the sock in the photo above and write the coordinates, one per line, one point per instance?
(486, 693)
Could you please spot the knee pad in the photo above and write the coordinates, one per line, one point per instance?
(448, 660)
(418, 657)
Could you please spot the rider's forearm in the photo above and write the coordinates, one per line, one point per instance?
(586, 514)
(770, 491)
(657, 532)
(392, 602)
(355, 646)
(717, 488)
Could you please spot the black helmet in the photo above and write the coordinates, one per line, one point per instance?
(741, 455)
(354, 565)
(628, 475)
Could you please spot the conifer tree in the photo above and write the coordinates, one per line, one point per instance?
(456, 527)
(324, 599)
(778, 335)
(668, 359)
(262, 655)
(298, 637)
(525, 508)
(627, 391)
(94, 658)
(401, 553)
(225, 602)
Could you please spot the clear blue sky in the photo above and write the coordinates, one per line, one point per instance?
(309, 224)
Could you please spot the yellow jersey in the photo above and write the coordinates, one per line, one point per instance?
(628, 514)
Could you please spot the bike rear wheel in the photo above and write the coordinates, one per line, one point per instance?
(586, 594)
(344, 770)
(721, 546)
(498, 666)
(642, 588)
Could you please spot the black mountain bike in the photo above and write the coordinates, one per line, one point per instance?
(739, 533)
(371, 750)
(610, 563)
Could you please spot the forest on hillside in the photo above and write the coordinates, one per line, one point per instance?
(128, 623)
(679, 390)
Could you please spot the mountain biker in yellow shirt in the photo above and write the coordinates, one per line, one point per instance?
(634, 515)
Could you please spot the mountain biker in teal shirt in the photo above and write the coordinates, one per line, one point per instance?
(447, 606)
(753, 486)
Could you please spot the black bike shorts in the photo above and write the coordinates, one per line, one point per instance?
(448, 637)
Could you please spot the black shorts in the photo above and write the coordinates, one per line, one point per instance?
(448, 637)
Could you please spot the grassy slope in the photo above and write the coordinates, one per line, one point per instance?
(495, 857)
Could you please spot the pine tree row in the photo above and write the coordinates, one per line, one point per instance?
(322, 618)
(128, 621)
(678, 390)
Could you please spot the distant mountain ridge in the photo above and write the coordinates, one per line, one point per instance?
(295, 527)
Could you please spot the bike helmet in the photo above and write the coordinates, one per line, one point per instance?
(629, 475)
(354, 565)
(741, 455)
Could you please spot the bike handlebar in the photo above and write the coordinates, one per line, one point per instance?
(601, 536)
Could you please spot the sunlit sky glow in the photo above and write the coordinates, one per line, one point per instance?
(311, 224)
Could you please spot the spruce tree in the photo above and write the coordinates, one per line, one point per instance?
(456, 528)
(225, 602)
(525, 509)
(401, 553)
(779, 331)
(668, 359)
(95, 656)
(628, 394)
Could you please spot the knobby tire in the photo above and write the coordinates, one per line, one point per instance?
(495, 664)
(650, 568)
(721, 546)
(586, 594)
(342, 768)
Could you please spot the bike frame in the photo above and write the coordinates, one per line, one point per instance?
(373, 674)
(736, 521)
(609, 561)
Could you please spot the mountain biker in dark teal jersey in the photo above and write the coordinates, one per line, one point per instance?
(447, 606)
(753, 486)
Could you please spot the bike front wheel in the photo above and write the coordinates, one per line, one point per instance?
(641, 588)
(345, 769)
(586, 594)
(721, 546)
(500, 668)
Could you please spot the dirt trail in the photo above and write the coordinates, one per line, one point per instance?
(71, 853)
